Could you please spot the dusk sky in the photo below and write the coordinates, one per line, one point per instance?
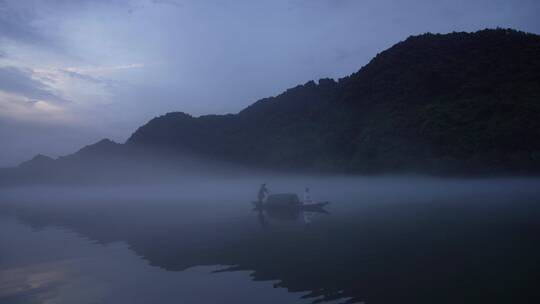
(75, 71)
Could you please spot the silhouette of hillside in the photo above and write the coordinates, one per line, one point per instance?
(459, 102)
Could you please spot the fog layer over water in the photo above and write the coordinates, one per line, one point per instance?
(380, 240)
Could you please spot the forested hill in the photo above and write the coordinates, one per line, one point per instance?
(452, 103)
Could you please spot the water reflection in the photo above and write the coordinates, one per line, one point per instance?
(67, 269)
(475, 249)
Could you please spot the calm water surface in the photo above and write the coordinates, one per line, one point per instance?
(381, 240)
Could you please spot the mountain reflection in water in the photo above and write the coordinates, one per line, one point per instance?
(467, 247)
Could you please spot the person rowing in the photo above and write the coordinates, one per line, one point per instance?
(263, 191)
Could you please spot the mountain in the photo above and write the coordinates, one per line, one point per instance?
(453, 103)
(458, 103)
(39, 161)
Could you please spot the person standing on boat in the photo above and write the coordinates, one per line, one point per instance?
(307, 197)
(263, 191)
(306, 215)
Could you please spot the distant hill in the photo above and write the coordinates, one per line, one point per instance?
(453, 103)
(458, 103)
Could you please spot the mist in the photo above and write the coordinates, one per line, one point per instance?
(210, 221)
(243, 186)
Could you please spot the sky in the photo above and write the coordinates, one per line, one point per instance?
(75, 71)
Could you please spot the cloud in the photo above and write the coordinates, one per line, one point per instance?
(16, 108)
(36, 22)
(16, 23)
(20, 82)
(81, 76)
(110, 68)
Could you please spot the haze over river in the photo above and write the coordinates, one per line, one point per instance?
(380, 240)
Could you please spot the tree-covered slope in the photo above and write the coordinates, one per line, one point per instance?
(453, 103)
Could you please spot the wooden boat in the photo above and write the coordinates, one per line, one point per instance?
(288, 201)
(314, 206)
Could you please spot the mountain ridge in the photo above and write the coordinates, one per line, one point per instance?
(407, 98)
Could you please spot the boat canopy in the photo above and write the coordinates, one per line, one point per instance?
(282, 199)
